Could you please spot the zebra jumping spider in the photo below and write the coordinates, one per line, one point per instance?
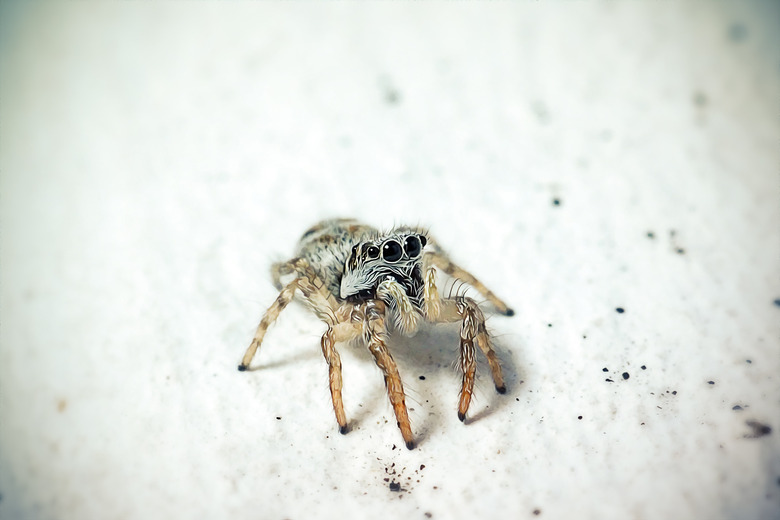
(364, 284)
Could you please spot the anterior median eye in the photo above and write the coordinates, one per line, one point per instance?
(391, 251)
(412, 246)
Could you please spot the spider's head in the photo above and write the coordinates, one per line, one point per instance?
(396, 256)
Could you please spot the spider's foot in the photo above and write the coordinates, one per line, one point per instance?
(461, 416)
(343, 430)
(242, 367)
(501, 389)
(410, 445)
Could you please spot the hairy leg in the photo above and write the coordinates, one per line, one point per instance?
(313, 296)
(472, 331)
(438, 258)
(375, 334)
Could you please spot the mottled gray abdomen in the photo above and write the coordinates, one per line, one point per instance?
(327, 245)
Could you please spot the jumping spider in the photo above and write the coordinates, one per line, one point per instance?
(362, 284)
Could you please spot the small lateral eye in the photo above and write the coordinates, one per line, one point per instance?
(391, 251)
(412, 246)
(423, 240)
(372, 252)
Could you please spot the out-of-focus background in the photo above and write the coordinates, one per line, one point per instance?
(582, 159)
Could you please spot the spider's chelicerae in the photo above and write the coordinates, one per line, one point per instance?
(364, 284)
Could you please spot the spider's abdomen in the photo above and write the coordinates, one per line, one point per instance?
(327, 245)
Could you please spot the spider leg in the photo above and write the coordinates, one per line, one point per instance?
(340, 332)
(313, 296)
(439, 258)
(473, 331)
(375, 334)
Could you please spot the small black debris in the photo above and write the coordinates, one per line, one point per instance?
(605, 369)
(643, 367)
(748, 361)
(428, 515)
(759, 430)
(549, 324)
(537, 512)
(608, 380)
(422, 467)
(579, 417)
(674, 392)
(650, 234)
(710, 382)
(394, 447)
(422, 378)
(395, 486)
(278, 418)
(556, 202)
(736, 408)
(777, 302)
(620, 310)
(625, 375)
(680, 251)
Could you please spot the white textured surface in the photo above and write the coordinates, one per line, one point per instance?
(157, 159)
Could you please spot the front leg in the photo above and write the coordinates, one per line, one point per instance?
(376, 338)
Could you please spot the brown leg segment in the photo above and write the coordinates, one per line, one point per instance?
(483, 340)
(334, 366)
(282, 301)
(439, 259)
(375, 332)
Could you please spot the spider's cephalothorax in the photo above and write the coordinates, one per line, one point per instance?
(363, 284)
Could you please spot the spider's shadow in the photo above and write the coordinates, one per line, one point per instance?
(432, 353)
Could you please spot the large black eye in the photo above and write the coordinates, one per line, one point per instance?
(412, 246)
(391, 251)
(372, 252)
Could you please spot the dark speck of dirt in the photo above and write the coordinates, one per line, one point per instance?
(625, 375)
(428, 515)
(777, 302)
(674, 392)
(608, 380)
(643, 367)
(605, 369)
(758, 430)
(556, 202)
(549, 324)
(710, 382)
(537, 512)
(579, 417)
(650, 235)
(422, 378)
(395, 486)
(748, 361)
(680, 251)
(394, 447)
(278, 418)
(736, 408)
(620, 310)
(422, 467)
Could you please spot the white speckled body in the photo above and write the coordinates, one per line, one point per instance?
(327, 245)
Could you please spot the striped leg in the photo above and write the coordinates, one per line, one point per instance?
(472, 331)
